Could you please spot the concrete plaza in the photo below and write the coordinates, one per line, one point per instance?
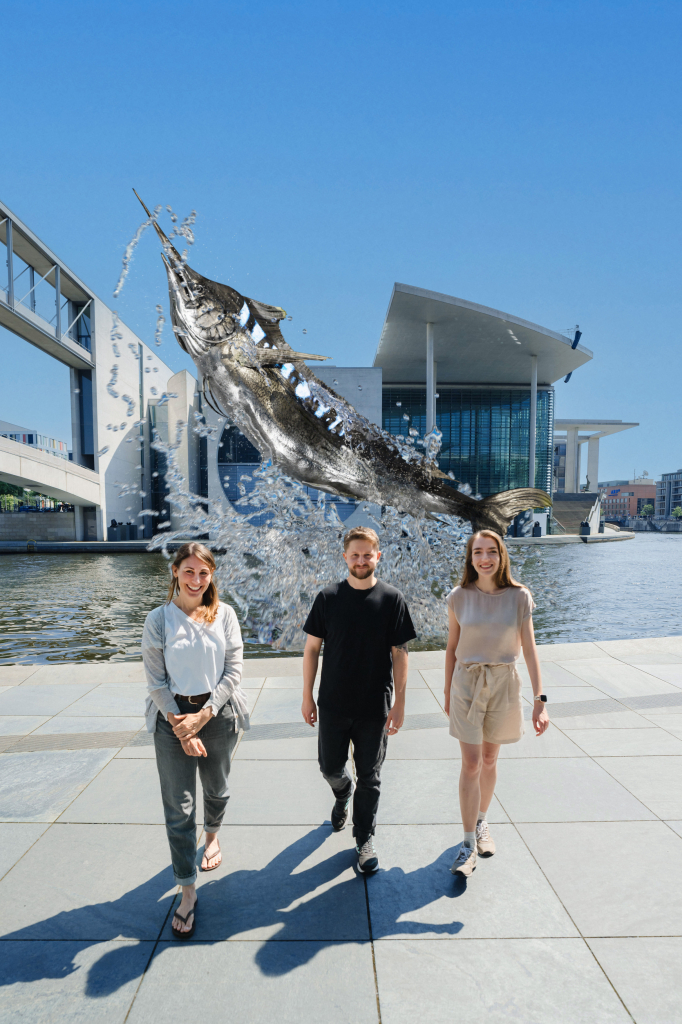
(576, 920)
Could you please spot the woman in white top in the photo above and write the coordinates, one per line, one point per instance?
(490, 623)
(193, 653)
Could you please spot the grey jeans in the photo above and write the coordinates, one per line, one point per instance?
(178, 776)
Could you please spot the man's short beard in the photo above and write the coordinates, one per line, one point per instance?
(360, 574)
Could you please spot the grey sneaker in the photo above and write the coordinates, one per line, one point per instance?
(485, 843)
(368, 862)
(465, 862)
(340, 813)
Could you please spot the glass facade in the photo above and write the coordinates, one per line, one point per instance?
(485, 432)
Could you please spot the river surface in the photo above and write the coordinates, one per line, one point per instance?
(92, 607)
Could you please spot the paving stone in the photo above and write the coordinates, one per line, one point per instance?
(12, 675)
(126, 792)
(40, 700)
(70, 982)
(92, 673)
(15, 839)
(68, 723)
(618, 719)
(120, 885)
(415, 895)
(20, 725)
(125, 700)
(622, 742)
(646, 974)
(676, 826)
(672, 725)
(424, 744)
(278, 793)
(565, 694)
(259, 668)
(613, 892)
(253, 982)
(278, 705)
(656, 781)
(669, 673)
(422, 793)
(642, 646)
(39, 786)
(284, 749)
(565, 789)
(568, 652)
(532, 981)
(616, 679)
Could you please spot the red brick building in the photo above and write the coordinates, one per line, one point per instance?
(626, 497)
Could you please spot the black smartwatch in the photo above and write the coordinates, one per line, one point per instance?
(542, 697)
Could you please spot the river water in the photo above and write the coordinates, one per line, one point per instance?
(92, 607)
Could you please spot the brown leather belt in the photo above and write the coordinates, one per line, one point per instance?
(197, 701)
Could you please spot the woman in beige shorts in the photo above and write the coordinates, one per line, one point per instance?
(490, 623)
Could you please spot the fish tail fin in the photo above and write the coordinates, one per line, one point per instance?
(497, 510)
(167, 244)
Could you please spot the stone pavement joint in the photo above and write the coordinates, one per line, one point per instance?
(564, 925)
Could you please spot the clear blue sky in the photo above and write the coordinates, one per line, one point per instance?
(524, 155)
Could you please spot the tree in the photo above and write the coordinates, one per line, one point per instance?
(647, 510)
(677, 512)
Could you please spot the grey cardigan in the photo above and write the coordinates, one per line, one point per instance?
(160, 697)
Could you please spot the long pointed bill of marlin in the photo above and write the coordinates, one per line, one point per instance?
(251, 375)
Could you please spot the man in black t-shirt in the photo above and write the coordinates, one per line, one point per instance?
(366, 627)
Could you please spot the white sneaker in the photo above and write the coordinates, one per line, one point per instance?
(368, 862)
(465, 861)
(485, 843)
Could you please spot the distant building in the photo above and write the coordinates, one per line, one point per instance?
(569, 436)
(27, 435)
(626, 497)
(669, 493)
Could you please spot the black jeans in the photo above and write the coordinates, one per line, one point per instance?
(369, 739)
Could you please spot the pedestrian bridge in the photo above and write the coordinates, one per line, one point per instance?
(25, 466)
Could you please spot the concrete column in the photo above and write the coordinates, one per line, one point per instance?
(430, 381)
(78, 521)
(58, 303)
(533, 419)
(180, 415)
(572, 460)
(10, 265)
(593, 464)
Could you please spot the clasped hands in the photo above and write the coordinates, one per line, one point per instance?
(186, 728)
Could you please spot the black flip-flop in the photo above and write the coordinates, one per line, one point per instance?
(190, 933)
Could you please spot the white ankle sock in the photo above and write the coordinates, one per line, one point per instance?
(470, 840)
(482, 816)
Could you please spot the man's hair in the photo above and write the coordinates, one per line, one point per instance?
(361, 533)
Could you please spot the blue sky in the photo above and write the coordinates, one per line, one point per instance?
(518, 154)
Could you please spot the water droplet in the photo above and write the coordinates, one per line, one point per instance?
(436, 395)
(399, 404)
(123, 426)
(155, 474)
(147, 369)
(335, 382)
(76, 391)
(405, 416)
(154, 391)
(304, 331)
(359, 387)
(156, 369)
(103, 451)
(290, 318)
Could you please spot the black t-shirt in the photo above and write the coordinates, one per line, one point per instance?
(358, 627)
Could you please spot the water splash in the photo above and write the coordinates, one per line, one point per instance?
(276, 547)
(130, 249)
(160, 321)
(112, 383)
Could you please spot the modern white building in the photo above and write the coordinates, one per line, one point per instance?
(114, 377)
(569, 436)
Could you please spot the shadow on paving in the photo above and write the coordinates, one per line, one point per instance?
(245, 901)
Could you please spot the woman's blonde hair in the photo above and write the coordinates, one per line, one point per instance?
(211, 598)
(503, 577)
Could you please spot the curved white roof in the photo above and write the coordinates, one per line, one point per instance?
(472, 344)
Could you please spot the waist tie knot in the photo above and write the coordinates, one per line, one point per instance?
(482, 674)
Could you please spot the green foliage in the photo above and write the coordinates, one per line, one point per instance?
(677, 512)
(647, 510)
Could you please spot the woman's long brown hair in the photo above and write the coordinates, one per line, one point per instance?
(503, 577)
(211, 598)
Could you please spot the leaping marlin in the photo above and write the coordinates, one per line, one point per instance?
(251, 375)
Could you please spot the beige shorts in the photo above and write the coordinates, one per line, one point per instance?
(485, 704)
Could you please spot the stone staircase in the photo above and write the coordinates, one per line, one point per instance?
(571, 509)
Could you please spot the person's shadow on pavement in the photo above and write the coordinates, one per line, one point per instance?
(271, 900)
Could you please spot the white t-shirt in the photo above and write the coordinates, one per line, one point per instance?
(194, 652)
